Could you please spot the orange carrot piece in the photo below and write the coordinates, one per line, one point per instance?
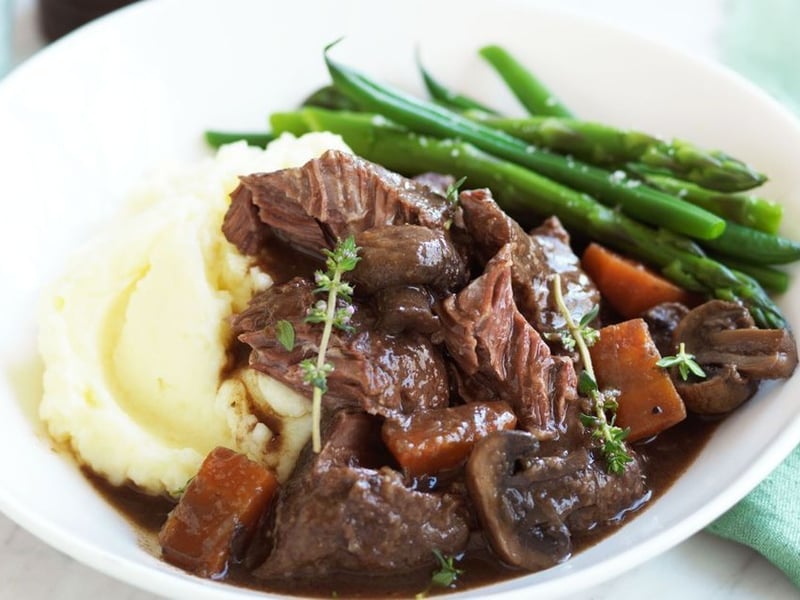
(220, 507)
(628, 286)
(624, 359)
(442, 438)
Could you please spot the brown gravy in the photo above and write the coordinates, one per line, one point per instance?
(666, 458)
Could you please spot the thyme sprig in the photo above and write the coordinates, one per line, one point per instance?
(333, 312)
(685, 362)
(604, 403)
(444, 576)
(451, 194)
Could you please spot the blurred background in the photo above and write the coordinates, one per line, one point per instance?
(757, 38)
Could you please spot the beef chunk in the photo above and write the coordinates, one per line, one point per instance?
(407, 255)
(346, 193)
(352, 519)
(535, 259)
(353, 439)
(242, 226)
(376, 372)
(438, 182)
(500, 356)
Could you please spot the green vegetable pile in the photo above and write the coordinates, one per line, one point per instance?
(676, 207)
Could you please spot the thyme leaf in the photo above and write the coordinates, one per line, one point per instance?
(684, 361)
(284, 331)
(604, 403)
(445, 576)
(451, 194)
(333, 312)
(567, 337)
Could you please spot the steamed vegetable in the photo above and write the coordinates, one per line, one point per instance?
(626, 359)
(448, 97)
(746, 209)
(531, 92)
(628, 286)
(641, 202)
(521, 191)
(753, 247)
(218, 512)
(215, 139)
(601, 144)
(430, 441)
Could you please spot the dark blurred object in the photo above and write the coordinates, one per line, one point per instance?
(59, 17)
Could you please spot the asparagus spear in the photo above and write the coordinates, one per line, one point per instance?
(605, 145)
(215, 139)
(639, 201)
(745, 209)
(521, 191)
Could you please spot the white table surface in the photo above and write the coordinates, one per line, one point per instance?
(703, 566)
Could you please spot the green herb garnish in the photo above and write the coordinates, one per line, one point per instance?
(334, 311)
(612, 438)
(684, 361)
(444, 576)
(451, 194)
(284, 331)
(585, 331)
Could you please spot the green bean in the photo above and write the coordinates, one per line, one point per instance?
(448, 97)
(521, 192)
(745, 209)
(640, 201)
(531, 92)
(770, 278)
(329, 97)
(752, 246)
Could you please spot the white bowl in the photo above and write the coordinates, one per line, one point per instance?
(90, 114)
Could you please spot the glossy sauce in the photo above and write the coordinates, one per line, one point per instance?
(666, 457)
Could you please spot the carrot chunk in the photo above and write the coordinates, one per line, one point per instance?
(624, 359)
(441, 438)
(218, 512)
(628, 286)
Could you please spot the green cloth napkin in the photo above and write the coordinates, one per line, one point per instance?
(768, 519)
(760, 40)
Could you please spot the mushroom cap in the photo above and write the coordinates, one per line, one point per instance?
(524, 526)
(733, 352)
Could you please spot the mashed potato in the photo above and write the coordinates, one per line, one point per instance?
(134, 336)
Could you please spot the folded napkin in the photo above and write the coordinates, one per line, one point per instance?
(768, 519)
(759, 40)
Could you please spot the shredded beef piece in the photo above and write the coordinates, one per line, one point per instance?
(373, 371)
(344, 192)
(500, 356)
(336, 515)
(535, 259)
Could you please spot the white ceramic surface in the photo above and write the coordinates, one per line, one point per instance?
(90, 114)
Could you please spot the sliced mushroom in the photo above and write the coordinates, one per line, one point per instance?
(531, 505)
(733, 352)
(523, 526)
